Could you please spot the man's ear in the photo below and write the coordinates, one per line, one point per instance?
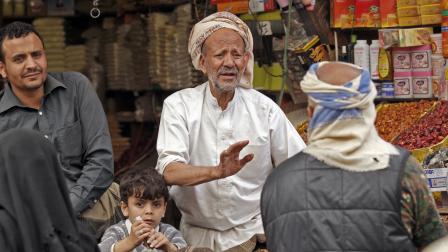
(124, 209)
(202, 64)
(3, 70)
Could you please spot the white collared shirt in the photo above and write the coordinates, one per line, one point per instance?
(194, 130)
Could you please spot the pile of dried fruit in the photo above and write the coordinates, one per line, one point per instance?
(430, 130)
(394, 118)
(302, 128)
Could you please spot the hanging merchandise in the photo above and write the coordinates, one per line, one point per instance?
(374, 52)
(362, 52)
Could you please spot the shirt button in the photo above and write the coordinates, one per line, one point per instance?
(46, 136)
(40, 112)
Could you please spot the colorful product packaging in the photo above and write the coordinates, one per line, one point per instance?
(344, 13)
(401, 58)
(421, 59)
(402, 86)
(436, 44)
(421, 87)
(431, 19)
(367, 13)
(427, 2)
(430, 9)
(415, 36)
(409, 21)
(237, 7)
(389, 37)
(388, 11)
(404, 3)
(408, 11)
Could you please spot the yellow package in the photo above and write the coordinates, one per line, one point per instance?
(431, 9)
(405, 3)
(415, 36)
(431, 19)
(426, 2)
(409, 21)
(409, 11)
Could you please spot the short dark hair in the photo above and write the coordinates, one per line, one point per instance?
(15, 30)
(144, 184)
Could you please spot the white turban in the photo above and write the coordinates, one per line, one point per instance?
(207, 26)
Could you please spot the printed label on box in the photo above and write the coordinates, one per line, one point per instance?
(420, 85)
(402, 60)
(402, 86)
(437, 179)
(420, 60)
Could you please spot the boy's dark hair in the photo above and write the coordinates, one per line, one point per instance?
(15, 30)
(144, 184)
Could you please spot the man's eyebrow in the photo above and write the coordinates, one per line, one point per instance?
(17, 55)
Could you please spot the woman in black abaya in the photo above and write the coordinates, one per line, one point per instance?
(35, 209)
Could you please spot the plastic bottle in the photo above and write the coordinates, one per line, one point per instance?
(374, 53)
(350, 50)
(343, 56)
(385, 65)
(362, 54)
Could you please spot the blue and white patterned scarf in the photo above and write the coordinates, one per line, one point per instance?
(341, 132)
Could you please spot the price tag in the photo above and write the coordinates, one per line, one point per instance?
(437, 179)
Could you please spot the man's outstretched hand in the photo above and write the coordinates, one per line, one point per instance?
(230, 162)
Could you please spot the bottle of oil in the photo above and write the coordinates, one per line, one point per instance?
(385, 71)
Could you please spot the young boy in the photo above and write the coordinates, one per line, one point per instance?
(144, 197)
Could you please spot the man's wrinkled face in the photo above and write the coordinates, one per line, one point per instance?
(224, 59)
(25, 63)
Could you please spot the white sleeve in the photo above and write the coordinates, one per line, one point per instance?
(285, 140)
(172, 140)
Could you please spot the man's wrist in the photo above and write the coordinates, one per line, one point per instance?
(215, 172)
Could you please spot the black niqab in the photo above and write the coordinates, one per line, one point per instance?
(35, 209)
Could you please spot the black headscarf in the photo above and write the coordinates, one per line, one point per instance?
(35, 209)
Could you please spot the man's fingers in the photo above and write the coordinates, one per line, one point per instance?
(246, 159)
(237, 147)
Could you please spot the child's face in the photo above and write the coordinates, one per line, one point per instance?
(151, 211)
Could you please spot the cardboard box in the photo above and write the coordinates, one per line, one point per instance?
(343, 13)
(409, 21)
(367, 13)
(426, 2)
(405, 3)
(237, 7)
(388, 11)
(431, 19)
(409, 11)
(431, 9)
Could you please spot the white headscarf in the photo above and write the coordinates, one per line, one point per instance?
(342, 131)
(207, 26)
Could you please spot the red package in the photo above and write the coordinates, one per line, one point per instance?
(367, 13)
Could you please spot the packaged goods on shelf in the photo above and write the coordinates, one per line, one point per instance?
(388, 13)
(343, 13)
(367, 13)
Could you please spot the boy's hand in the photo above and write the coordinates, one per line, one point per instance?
(139, 232)
(159, 241)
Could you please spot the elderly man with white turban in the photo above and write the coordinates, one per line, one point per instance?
(219, 141)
